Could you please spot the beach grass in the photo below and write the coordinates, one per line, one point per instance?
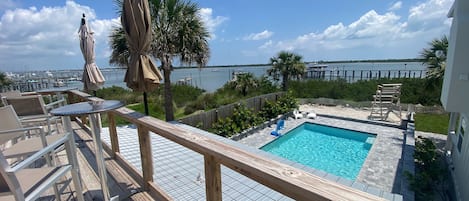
(434, 123)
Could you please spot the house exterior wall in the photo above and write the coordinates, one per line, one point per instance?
(454, 96)
(460, 157)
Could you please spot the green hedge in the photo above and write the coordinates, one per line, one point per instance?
(415, 91)
(244, 118)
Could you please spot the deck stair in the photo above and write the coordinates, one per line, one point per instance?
(386, 100)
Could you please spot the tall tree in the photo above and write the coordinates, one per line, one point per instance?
(178, 32)
(287, 65)
(120, 52)
(435, 57)
(244, 83)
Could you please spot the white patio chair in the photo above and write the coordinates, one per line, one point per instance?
(3, 95)
(311, 115)
(297, 114)
(17, 181)
(33, 111)
(17, 141)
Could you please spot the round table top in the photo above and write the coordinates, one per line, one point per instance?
(86, 108)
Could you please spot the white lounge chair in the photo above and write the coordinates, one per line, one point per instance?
(297, 114)
(311, 115)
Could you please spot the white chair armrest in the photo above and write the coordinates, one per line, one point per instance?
(32, 117)
(31, 159)
(21, 129)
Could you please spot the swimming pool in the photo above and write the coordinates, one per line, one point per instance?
(337, 151)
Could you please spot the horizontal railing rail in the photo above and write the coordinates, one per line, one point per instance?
(290, 181)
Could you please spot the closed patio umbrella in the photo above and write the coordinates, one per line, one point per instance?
(92, 78)
(142, 74)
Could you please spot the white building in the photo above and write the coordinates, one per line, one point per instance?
(455, 97)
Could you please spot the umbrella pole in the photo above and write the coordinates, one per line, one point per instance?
(145, 103)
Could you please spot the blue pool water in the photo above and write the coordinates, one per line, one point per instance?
(337, 151)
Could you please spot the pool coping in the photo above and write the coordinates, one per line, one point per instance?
(369, 135)
(361, 184)
(354, 184)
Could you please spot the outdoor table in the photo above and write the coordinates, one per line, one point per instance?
(86, 108)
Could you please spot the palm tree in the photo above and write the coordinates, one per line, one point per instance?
(435, 57)
(244, 83)
(4, 80)
(178, 32)
(120, 51)
(287, 65)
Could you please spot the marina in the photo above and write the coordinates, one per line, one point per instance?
(213, 77)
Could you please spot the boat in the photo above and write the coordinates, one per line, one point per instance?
(59, 83)
(315, 70)
(184, 81)
(316, 66)
(49, 74)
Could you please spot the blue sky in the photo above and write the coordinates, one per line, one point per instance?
(42, 35)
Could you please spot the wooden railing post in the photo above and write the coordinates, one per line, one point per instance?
(212, 179)
(70, 97)
(113, 134)
(146, 155)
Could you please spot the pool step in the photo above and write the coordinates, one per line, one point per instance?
(370, 140)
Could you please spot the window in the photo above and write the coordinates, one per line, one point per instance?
(461, 132)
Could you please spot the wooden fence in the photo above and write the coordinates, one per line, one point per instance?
(205, 120)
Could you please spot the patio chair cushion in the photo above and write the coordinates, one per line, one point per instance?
(30, 146)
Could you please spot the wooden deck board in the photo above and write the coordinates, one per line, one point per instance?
(119, 182)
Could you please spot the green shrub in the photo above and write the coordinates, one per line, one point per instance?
(242, 119)
(430, 171)
(119, 93)
(183, 94)
(287, 102)
(270, 110)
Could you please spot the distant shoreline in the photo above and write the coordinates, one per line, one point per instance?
(319, 62)
(260, 65)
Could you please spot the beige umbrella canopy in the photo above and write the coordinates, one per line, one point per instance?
(142, 74)
(92, 77)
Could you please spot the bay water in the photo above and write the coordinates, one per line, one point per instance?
(212, 78)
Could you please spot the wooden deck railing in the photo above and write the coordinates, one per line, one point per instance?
(290, 181)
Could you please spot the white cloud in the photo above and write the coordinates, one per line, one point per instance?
(32, 36)
(266, 45)
(396, 6)
(6, 4)
(373, 34)
(259, 36)
(428, 15)
(211, 22)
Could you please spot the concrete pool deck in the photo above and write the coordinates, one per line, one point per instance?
(180, 171)
(382, 163)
